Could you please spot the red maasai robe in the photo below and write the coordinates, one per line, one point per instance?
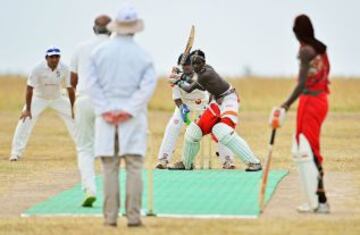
(312, 109)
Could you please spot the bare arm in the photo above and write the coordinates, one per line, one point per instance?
(28, 98)
(188, 88)
(73, 79)
(306, 55)
(71, 94)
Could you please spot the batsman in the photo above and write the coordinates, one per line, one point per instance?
(219, 119)
(312, 90)
(195, 103)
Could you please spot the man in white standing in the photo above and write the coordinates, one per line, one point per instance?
(84, 111)
(121, 80)
(44, 91)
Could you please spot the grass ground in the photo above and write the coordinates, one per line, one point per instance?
(49, 165)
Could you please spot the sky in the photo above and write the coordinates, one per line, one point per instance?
(237, 36)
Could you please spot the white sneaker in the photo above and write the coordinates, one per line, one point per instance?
(252, 167)
(323, 208)
(14, 158)
(305, 208)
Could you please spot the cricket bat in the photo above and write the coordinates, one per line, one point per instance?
(189, 44)
(265, 172)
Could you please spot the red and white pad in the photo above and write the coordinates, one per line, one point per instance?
(277, 117)
(308, 172)
(209, 118)
(229, 108)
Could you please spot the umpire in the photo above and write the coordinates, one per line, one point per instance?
(121, 82)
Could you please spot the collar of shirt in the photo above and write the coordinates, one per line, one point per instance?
(46, 66)
(123, 37)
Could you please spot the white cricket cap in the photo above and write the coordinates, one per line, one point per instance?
(51, 51)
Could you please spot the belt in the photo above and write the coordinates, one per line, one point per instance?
(226, 93)
(312, 93)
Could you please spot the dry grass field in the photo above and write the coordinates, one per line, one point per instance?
(49, 165)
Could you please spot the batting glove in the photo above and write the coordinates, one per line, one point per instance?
(277, 117)
(184, 110)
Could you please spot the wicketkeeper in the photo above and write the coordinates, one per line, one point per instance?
(195, 103)
(219, 119)
(312, 90)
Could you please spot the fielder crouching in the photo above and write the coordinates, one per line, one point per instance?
(312, 90)
(44, 91)
(219, 119)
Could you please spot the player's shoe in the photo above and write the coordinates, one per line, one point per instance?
(89, 200)
(14, 158)
(254, 167)
(180, 166)
(323, 208)
(228, 165)
(304, 208)
(110, 224)
(162, 164)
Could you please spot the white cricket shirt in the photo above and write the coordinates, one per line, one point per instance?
(47, 83)
(80, 60)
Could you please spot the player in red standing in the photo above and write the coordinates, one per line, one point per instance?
(312, 90)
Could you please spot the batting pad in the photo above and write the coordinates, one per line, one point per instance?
(197, 193)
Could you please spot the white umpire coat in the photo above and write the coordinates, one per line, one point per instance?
(121, 76)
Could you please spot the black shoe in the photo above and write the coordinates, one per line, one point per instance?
(133, 225)
(180, 166)
(252, 167)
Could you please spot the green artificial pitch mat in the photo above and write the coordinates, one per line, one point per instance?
(198, 193)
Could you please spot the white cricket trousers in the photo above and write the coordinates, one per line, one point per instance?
(171, 134)
(23, 129)
(85, 134)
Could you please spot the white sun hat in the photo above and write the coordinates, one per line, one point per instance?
(126, 21)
